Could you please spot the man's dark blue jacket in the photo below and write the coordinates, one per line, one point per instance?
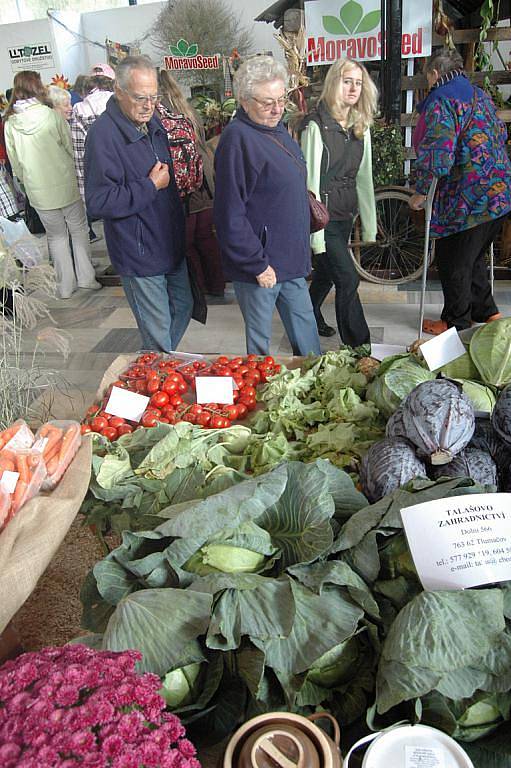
(144, 227)
(261, 204)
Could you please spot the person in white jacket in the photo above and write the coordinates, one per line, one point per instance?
(99, 87)
(39, 148)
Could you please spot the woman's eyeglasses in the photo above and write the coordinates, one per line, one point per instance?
(267, 104)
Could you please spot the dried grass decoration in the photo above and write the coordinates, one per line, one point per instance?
(24, 292)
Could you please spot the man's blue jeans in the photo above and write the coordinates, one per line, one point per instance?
(162, 305)
(291, 297)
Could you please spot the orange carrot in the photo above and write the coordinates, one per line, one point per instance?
(6, 465)
(19, 495)
(54, 436)
(52, 465)
(68, 442)
(22, 466)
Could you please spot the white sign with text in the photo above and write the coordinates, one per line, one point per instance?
(350, 29)
(214, 389)
(443, 349)
(127, 405)
(461, 541)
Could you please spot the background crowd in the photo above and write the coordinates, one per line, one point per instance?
(179, 219)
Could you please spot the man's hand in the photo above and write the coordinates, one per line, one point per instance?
(268, 278)
(160, 175)
(417, 202)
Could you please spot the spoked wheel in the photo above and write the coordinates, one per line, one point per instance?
(397, 255)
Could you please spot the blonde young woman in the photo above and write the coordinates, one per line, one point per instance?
(336, 143)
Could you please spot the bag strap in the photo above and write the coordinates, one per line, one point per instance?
(288, 152)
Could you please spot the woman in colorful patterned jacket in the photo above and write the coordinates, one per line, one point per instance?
(463, 145)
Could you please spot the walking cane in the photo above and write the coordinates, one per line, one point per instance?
(428, 207)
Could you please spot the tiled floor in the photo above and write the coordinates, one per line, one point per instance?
(100, 325)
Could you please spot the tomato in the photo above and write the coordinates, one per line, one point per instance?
(159, 399)
(92, 410)
(231, 412)
(254, 377)
(164, 420)
(151, 374)
(140, 386)
(204, 419)
(85, 428)
(277, 368)
(98, 423)
(211, 406)
(149, 419)
(196, 408)
(243, 369)
(251, 358)
(170, 387)
(235, 395)
(218, 422)
(105, 415)
(191, 417)
(152, 386)
(167, 410)
(124, 429)
(182, 387)
(269, 360)
(116, 422)
(252, 365)
(242, 410)
(236, 361)
(110, 433)
(176, 400)
(248, 391)
(222, 360)
(250, 402)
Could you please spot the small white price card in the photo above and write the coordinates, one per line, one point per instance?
(424, 757)
(442, 349)
(462, 541)
(381, 351)
(128, 405)
(9, 481)
(214, 389)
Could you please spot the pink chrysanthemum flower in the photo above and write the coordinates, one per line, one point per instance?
(74, 707)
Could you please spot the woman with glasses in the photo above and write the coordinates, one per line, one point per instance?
(38, 142)
(336, 143)
(261, 211)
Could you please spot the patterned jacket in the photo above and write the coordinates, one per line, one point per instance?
(464, 146)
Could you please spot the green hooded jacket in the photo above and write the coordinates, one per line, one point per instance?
(38, 142)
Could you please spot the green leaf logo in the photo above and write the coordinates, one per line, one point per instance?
(351, 20)
(182, 49)
(182, 46)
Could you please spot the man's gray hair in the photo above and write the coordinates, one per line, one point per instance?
(256, 70)
(444, 61)
(125, 67)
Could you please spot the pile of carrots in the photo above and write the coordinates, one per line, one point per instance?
(39, 461)
(61, 446)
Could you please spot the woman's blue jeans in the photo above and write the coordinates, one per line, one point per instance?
(291, 298)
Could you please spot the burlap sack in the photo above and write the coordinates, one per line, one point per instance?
(30, 540)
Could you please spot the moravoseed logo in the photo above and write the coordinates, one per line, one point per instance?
(352, 20)
(185, 56)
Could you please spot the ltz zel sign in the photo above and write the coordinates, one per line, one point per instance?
(350, 29)
(37, 56)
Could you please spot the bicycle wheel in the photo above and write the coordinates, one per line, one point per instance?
(396, 256)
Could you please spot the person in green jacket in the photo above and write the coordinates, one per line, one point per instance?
(38, 142)
(336, 143)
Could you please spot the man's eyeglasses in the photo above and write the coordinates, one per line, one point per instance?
(267, 104)
(143, 99)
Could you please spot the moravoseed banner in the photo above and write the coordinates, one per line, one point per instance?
(350, 29)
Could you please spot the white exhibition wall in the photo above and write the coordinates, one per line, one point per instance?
(71, 42)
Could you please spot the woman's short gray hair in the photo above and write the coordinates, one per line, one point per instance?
(125, 67)
(256, 70)
(58, 96)
(444, 61)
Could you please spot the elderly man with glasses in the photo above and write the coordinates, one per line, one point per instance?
(129, 183)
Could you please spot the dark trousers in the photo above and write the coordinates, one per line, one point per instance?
(461, 263)
(203, 252)
(335, 267)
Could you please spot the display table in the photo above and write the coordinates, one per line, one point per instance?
(31, 539)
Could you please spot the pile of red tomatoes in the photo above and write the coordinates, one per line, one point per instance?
(169, 383)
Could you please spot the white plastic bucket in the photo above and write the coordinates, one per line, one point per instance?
(411, 746)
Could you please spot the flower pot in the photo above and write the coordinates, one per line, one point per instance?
(284, 740)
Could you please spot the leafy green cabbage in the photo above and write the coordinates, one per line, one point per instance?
(490, 349)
